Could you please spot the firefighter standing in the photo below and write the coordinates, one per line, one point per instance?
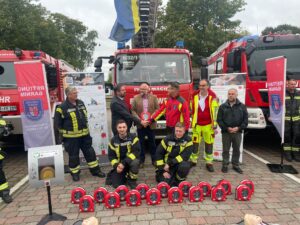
(204, 113)
(291, 145)
(71, 120)
(172, 156)
(4, 188)
(123, 154)
(175, 109)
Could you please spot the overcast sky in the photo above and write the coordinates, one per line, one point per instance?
(100, 16)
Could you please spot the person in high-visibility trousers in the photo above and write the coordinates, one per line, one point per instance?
(4, 188)
(291, 145)
(204, 115)
(72, 121)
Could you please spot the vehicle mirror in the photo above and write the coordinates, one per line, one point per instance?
(98, 63)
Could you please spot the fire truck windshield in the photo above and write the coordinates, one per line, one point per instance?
(7, 75)
(256, 62)
(153, 68)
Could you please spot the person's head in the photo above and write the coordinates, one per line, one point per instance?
(203, 86)
(232, 95)
(173, 89)
(291, 85)
(144, 88)
(120, 90)
(71, 93)
(179, 130)
(121, 128)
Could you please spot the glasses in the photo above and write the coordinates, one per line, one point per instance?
(202, 85)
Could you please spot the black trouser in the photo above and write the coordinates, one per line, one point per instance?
(292, 136)
(178, 173)
(130, 171)
(234, 140)
(142, 133)
(73, 145)
(3, 181)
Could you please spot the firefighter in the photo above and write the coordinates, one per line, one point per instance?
(123, 154)
(204, 115)
(175, 109)
(172, 156)
(291, 145)
(4, 188)
(71, 120)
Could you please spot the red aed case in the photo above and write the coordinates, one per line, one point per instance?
(243, 193)
(195, 194)
(142, 188)
(153, 196)
(133, 198)
(99, 194)
(218, 193)
(86, 204)
(206, 188)
(226, 185)
(163, 188)
(122, 191)
(112, 200)
(185, 186)
(76, 194)
(175, 195)
(250, 184)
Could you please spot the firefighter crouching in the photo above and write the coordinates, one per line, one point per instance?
(71, 120)
(123, 154)
(172, 156)
(291, 145)
(4, 188)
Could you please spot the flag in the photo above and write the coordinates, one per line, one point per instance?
(128, 21)
(276, 79)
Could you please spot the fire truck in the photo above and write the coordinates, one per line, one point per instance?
(158, 67)
(247, 56)
(9, 98)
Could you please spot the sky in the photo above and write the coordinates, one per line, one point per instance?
(100, 15)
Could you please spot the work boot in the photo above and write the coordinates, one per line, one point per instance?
(296, 156)
(75, 176)
(5, 196)
(192, 164)
(131, 183)
(288, 156)
(210, 167)
(99, 174)
(237, 169)
(225, 169)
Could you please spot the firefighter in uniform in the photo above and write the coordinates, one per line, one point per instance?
(4, 188)
(291, 145)
(71, 120)
(204, 115)
(172, 156)
(123, 154)
(175, 109)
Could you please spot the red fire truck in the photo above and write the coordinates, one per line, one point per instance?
(247, 56)
(9, 100)
(158, 67)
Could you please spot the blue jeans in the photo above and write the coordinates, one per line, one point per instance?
(142, 133)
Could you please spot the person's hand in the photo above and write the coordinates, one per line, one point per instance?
(166, 167)
(230, 130)
(166, 175)
(145, 123)
(235, 129)
(250, 219)
(120, 168)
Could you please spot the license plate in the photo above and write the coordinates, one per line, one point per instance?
(8, 108)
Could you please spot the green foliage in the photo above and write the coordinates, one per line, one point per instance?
(283, 29)
(203, 24)
(27, 25)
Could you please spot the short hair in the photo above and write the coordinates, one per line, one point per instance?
(69, 89)
(119, 122)
(180, 125)
(118, 87)
(144, 82)
(208, 84)
(174, 85)
(232, 89)
(291, 79)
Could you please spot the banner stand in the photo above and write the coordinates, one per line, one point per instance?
(51, 216)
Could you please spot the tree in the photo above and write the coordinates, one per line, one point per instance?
(203, 24)
(283, 29)
(27, 25)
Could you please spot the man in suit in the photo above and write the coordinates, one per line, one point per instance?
(143, 106)
(120, 110)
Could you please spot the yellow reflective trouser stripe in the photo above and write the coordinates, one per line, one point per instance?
(93, 164)
(179, 178)
(163, 144)
(287, 148)
(131, 156)
(2, 122)
(208, 158)
(293, 118)
(295, 149)
(159, 162)
(75, 170)
(114, 161)
(74, 121)
(3, 186)
(179, 159)
(297, 97)
(132, 175)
